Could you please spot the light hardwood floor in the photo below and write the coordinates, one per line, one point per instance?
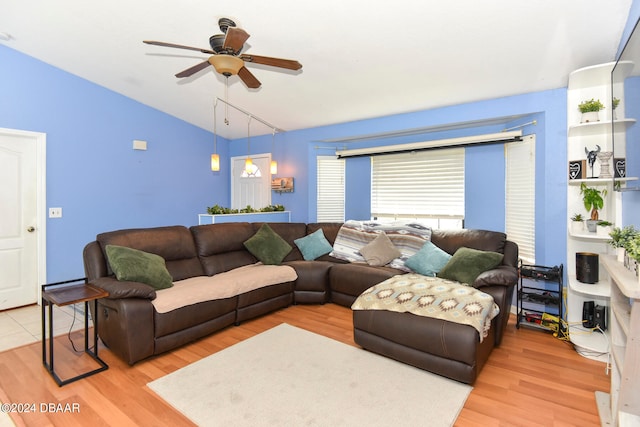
(533, 379)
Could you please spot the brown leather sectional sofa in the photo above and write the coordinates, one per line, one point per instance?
(129, 325)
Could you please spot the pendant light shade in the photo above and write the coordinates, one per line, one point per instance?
(215, 162)
(274, 167)
(248, 165)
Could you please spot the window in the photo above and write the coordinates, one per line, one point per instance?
(423, 185)
(520, 196)
(330, 189)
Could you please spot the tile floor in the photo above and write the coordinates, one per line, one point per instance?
(23, 325)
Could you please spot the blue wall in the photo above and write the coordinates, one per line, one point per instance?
(92, 171)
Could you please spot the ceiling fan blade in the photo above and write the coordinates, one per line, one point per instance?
(248, 78)
(178, 46)
(235, 39)
(192, 70)
(289, 64)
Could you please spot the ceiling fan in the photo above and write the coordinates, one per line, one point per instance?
(226, 56)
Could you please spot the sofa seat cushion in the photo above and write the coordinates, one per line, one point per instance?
(194, 316)
(431, 297)
(347, 281)
(220, 286)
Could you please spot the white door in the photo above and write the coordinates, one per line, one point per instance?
(19, 221)
(251, 189)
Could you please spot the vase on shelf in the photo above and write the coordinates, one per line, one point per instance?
(604, 157)
(590, 117)
(577, 227)
(620, 254)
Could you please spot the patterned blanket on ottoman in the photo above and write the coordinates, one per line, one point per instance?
(431, 297)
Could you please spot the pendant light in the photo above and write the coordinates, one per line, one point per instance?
(274, 164)
(248, 163)
(215, 158)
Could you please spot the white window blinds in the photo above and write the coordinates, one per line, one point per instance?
(521, 196)
(330, 203)
(423, 184)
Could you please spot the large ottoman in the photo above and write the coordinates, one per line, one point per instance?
(454, 350)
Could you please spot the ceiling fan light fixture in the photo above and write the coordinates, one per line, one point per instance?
(227, 65)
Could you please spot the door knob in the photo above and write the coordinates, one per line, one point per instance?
(31, 229)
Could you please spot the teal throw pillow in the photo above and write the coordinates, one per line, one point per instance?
(467, 264)
(429, 260)
(268, 246)
(313, 245)
(138, 266)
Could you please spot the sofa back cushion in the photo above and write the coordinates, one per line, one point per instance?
(289, 231)
(483, 240)
(220, 247)
(175, 244)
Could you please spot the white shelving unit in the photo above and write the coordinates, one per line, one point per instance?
(584, 84)
(622, 405)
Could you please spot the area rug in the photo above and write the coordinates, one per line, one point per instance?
(288, 376)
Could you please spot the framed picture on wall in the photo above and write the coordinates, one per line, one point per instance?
(282, 185)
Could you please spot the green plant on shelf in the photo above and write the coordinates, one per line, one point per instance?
(577, 218)
(592, 199)
(621, 236)
(632, 247)
(590, 106)
(615, 103)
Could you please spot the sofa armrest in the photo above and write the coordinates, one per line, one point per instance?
(123, 289)
(502, 275)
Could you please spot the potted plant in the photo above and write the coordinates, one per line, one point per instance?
(590, 110)
(632, 249)
(593, 201)
(614, 104)
(603, 228)
(620, 237)
(577, 223)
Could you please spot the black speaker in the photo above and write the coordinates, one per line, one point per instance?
(588, 314)
(600, 317)
(587, 268)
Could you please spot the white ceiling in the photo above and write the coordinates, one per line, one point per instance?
(361, 59)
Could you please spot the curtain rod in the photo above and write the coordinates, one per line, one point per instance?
(492, 138)
(251, 116)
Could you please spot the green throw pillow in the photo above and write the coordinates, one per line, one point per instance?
(268, 246)
(313, 245)
(429, 260)
(467, 264)
(138, 266)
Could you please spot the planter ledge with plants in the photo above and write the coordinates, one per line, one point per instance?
(218, 215)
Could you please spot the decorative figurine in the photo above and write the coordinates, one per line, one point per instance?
(591, 157)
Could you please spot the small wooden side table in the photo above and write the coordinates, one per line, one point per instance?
(66, 293)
